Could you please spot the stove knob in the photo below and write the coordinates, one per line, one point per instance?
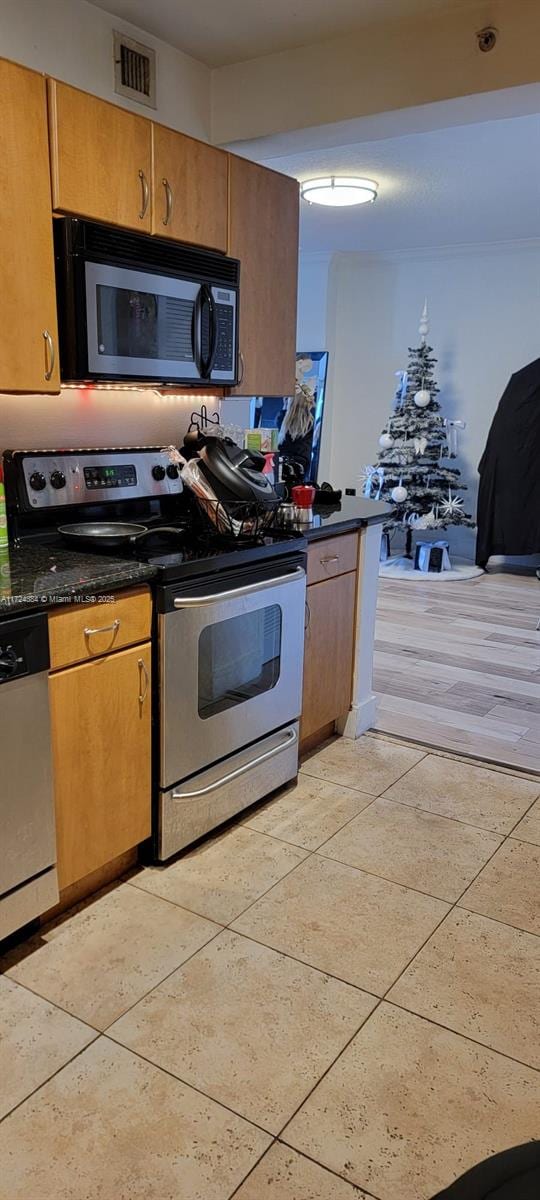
(37, 481)
(58, 479)
(8, 663)
(158, 472)
(172, 471)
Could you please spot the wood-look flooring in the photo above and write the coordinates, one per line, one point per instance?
(457, 666)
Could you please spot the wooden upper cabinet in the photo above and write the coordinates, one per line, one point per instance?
(263, 234)
(28, 331)
(101, 159)
(190, 184)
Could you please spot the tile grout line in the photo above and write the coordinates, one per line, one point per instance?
(187, 1084)
(301, 1154)
(248, 937)
(265, 832)
(240, 825)
(101, 1032)
(457, 1033)
(53, 1075)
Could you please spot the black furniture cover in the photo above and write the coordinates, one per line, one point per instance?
(509, 496)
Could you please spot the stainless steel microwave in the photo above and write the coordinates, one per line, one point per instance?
(134, 308)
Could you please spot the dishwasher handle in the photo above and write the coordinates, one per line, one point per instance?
(235, 593)
(290, 738)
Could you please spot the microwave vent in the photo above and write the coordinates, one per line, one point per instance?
(134, 70)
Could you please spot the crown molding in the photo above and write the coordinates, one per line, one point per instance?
(436, 253)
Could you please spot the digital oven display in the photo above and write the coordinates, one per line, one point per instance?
(121, 476)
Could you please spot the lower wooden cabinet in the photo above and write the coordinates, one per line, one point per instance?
(101, 734)
(329, 646)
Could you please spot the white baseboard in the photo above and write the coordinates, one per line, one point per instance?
(359, 718)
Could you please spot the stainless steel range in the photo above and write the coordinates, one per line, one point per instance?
(228, 631)
(230, 691)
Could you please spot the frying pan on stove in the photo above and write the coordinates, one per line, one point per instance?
(111, 535)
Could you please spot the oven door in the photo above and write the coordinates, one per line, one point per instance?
(231, 662)
(142, 326)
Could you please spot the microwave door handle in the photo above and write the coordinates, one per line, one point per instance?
(196, 333)
(207, 300)
(213, 331)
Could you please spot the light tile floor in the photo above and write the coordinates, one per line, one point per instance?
(336, 998)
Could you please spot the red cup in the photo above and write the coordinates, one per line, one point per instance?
(303, 495)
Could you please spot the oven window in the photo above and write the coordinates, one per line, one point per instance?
(135, 324)
(239, 659)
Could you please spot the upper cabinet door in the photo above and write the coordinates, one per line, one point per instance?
(101, 159)
(190, 189)
(263, 234)
(28, 333)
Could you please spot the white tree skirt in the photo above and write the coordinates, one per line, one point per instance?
(403, 568)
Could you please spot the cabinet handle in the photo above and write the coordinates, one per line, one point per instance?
(145, 195)
(243, 366)
(307, 621)
(143, 670)
(329, 558)
(168, 202)
(113, 628)
(52, 356)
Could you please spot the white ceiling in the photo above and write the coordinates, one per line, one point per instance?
(474, 183)
(228, 31)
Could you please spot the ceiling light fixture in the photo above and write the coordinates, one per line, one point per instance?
(339, 190)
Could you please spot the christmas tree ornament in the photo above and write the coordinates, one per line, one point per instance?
(422, 398)
(450, 507)
(424, 322)
(386, 441)
(420, 445)
(365, 476)
(399, 494)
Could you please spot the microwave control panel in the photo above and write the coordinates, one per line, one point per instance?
(224, 359)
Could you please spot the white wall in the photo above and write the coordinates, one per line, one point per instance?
(485, 323)
(72, 40)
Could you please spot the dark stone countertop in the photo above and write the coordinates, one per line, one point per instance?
(41, 576)
(353, 512)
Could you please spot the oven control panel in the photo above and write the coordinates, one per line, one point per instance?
(49, 479)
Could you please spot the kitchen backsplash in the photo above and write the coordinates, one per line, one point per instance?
(97, 417)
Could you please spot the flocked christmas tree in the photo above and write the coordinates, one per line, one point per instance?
(412, 472)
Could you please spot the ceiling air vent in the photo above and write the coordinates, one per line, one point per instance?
(134, 70)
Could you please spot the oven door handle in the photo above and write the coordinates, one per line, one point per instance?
(235, 593)
(290, 739)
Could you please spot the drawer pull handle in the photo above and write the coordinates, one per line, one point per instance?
(113, 628)
(329, 558)
(307, 620)
(143, 670)
(145, 195)
(290, 738)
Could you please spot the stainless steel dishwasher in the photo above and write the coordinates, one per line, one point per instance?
(28, 881)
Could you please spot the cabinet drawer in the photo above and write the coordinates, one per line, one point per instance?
(332, 556)
(85, 631)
